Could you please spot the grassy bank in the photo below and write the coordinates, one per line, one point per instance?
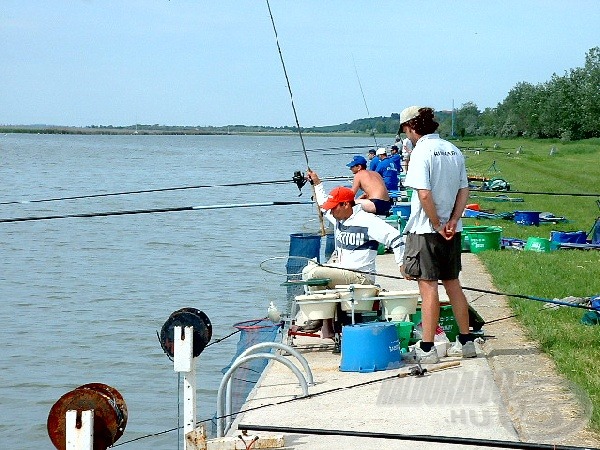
(574, 168)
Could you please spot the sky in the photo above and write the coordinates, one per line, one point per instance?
(201, 62)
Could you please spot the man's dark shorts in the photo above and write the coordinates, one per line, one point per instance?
(431, 257)
(382, 207)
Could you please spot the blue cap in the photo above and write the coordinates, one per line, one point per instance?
(358, 159)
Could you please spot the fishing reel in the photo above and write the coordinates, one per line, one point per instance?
(417, 371)
(300, 180)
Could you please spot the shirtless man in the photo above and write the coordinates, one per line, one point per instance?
(375, 198)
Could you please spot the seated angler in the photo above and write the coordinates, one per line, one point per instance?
(357, 236)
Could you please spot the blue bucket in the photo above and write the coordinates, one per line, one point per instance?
(402, 210)
(329, 245)
(527, 218)
(369, 347)
(571, 237)
(305, 244)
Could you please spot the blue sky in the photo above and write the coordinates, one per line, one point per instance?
(194, 62)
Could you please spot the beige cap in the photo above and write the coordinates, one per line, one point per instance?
(409, 113)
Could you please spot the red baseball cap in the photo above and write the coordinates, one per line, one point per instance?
(338, 195)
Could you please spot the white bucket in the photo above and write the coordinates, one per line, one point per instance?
(398, 304)
(359, 292)
(318, 306)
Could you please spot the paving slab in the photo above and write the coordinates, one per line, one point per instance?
(480, 398)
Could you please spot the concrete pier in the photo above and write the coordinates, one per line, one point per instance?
(502, 395)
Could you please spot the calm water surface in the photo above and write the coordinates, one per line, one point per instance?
(82, 298)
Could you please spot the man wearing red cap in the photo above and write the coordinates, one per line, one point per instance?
(357, 237)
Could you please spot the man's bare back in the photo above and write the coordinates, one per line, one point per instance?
(372, 185)
(376, 198)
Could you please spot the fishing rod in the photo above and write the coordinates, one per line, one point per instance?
(398, 277)
(484, 291)
(364, 99)
(144, 191)
(439, 367)
(150, 211)
(494, 443)
(345, 147)
(572, 194)
(319, 212)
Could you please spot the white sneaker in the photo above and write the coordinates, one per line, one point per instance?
(417, 355)
(466, 351)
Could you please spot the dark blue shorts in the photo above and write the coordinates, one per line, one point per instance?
(382, 207)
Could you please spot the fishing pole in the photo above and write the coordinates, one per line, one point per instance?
(364, 99)
(149, 211)
(439, 367)
(572, 194)
(398, 277)
(145, 191)
(466, 288)
(319, 212)
(345, 147)
(466, 441)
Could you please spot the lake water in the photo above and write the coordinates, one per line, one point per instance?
(82, 298)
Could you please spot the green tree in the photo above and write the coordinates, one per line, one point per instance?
(590, 99)
(467, 118)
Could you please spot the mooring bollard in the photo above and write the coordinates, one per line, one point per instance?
(183, 337)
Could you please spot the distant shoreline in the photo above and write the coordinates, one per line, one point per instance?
(183, 131)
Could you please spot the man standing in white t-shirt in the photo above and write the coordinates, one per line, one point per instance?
(433, 245)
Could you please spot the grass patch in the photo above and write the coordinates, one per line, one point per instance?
(574, 168)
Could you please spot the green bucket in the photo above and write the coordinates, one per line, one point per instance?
(490, 239)
(538, 244)
(465, 240)
(448, 322)
(404, 331)
(416, 317)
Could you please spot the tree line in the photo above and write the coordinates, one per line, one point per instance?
(565, 107)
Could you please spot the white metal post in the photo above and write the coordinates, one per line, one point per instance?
(184, 361)
(81, 438)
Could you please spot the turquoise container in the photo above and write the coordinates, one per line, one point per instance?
(538, 244)
(370, 347)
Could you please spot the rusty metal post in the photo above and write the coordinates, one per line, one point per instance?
(82, 437)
